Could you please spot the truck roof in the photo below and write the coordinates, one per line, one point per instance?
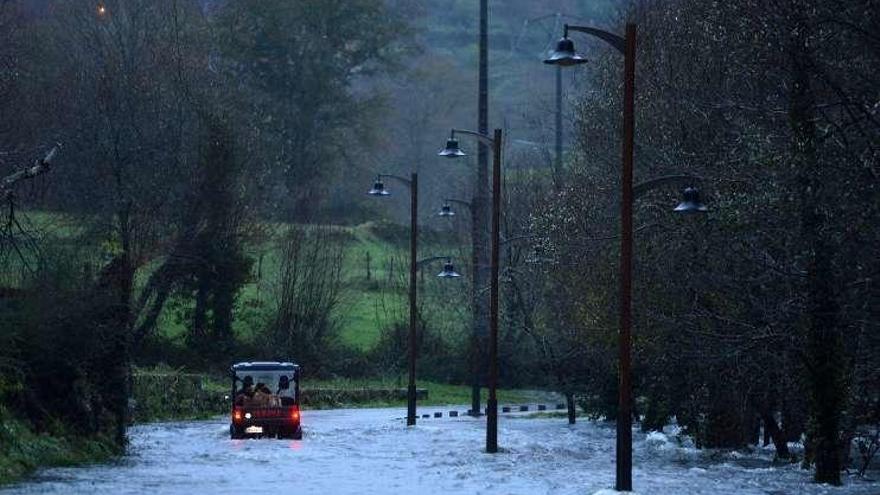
(263, 366)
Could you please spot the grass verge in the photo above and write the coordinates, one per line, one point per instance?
(22, 450)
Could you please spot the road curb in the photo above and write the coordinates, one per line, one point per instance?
(509, 409)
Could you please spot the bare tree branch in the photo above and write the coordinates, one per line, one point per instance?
(38, 168)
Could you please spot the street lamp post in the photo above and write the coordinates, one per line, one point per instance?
(476, 369)
(453, 150)
(379, 190)
(564, 56)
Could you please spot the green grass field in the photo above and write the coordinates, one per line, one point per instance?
(371, 298)
(376, 258)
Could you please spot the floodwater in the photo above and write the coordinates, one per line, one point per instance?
(365, 451)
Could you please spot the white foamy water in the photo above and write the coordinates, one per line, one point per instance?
(370, 451)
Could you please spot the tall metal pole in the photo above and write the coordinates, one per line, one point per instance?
(413, 309)
(624, 413)
(492, 403)
(557, 165)
(479, 213)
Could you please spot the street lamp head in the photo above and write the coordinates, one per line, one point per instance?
(452, 149)
(565, 54)
(378, 189)
(691, 202)
(446, 211)
(448, 271)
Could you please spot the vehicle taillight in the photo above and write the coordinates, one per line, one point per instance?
(294, 414)
(236, 415)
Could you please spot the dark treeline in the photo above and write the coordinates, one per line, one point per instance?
(766, 310)
(182, 123)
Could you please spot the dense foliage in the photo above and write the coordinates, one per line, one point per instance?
(765, 310)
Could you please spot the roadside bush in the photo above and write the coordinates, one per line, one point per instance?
(69, 365)
(22, 450)
(308, 290)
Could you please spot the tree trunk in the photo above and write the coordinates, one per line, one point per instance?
(755, 434)
(112, 315)
(572, 408)
(772, 430)
(221, 311)
(824, 353)
(199, 330)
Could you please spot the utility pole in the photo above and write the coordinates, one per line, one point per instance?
(413, 303)
(557, 164)
(479, 219)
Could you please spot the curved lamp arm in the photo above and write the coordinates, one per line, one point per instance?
(612, 39)
(483, 138)
(643, 187)
(458, 202)
(403, 180)
(421, 263)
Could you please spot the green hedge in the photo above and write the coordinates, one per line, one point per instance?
(169, 394)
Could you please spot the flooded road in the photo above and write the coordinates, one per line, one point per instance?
(365, 451)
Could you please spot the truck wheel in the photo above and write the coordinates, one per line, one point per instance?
(235, 433)
(297, 434)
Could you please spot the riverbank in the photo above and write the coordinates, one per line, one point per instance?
(22, 450)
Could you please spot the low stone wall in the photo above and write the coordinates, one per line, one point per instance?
(167, 395)
(319, 397)
(173, 395)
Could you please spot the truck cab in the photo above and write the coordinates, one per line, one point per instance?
(265, 400)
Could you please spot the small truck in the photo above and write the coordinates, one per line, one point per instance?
(265, 400)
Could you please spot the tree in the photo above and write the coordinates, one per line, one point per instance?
(307, 61)
(758, 312)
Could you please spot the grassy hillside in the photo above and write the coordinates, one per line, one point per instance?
(374, 276)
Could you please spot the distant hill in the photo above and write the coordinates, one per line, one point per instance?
(443, 94)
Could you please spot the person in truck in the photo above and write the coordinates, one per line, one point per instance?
(262, 396)
(246, 391)
(284, 391)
